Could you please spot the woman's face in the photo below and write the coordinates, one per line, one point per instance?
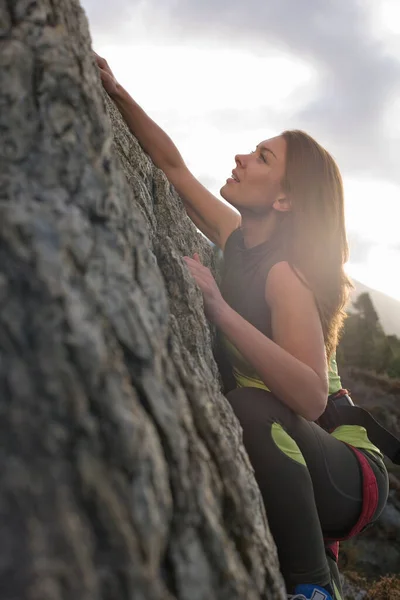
(256, 180)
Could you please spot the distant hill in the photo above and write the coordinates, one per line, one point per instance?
(388, 308)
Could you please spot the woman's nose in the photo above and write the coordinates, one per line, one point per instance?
(239, 159)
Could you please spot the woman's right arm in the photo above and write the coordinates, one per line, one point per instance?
(212, 216)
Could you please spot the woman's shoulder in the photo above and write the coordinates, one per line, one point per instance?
(286, 282)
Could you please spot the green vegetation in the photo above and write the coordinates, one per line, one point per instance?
(386, 588)
(365, 345)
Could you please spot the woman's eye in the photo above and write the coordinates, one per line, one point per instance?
(262, 157)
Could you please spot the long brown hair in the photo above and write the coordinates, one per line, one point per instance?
(314, 230)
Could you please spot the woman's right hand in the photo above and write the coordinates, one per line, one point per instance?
(108, 79)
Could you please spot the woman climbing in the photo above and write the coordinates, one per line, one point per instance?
(279, 312)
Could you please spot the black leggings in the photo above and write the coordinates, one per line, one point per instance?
(304, 502)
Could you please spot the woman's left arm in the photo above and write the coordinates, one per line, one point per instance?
(293, 366)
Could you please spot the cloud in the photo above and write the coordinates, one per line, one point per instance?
(357, 78)
(110, 20)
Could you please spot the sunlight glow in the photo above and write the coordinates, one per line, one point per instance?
(379, 270)
(385, 23)
(389, 13)
(373, 210)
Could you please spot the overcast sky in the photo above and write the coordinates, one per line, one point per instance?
(221, 76)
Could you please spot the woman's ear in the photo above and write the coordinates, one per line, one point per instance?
(282, 204)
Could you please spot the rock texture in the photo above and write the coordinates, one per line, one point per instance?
(122, 469)
(352, 590)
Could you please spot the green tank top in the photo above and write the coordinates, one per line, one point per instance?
(333, 376)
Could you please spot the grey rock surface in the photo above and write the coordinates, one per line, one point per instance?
(122, 470)
(351, 591)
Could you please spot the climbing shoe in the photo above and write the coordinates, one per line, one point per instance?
(310, 592)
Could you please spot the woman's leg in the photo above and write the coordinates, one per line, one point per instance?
(307, 479)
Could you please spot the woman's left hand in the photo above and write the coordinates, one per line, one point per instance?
(213, 300)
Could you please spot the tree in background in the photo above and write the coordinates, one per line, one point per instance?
(364, 343)
(393, 369)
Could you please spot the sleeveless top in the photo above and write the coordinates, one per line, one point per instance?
(244, 276)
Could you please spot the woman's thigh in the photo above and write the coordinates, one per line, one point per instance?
(337, 480)
(334, 469)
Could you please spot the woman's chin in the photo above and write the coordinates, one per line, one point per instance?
(224, 191)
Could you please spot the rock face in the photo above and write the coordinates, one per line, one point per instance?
(122, 469)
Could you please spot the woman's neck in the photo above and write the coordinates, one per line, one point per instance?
(258, 230)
